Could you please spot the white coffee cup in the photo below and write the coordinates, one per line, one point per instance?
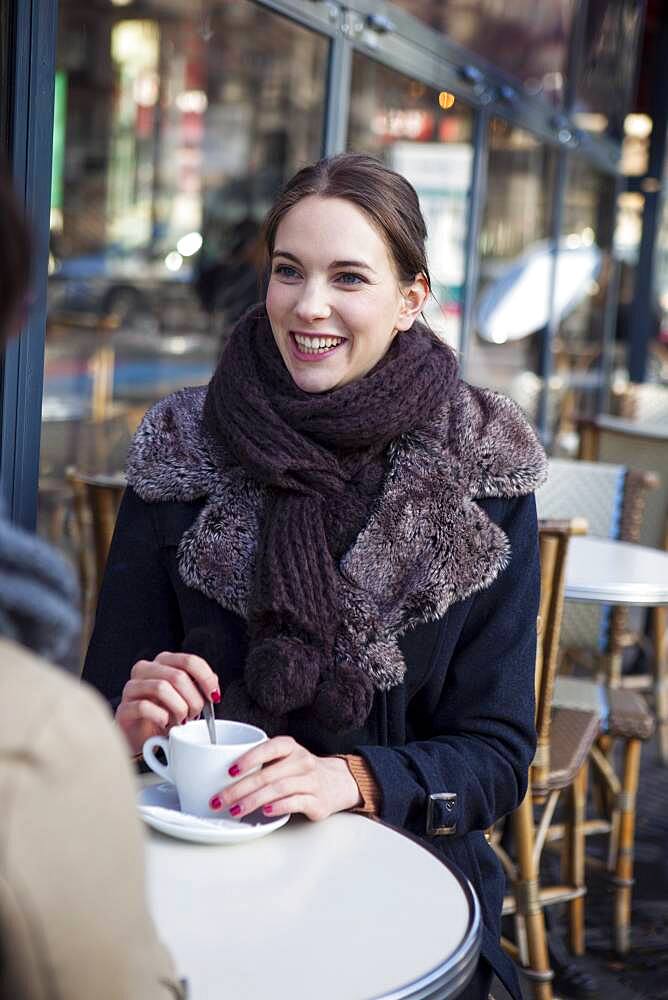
(197, 767)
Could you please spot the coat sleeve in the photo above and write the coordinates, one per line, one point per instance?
(137, 613)
(477, 710)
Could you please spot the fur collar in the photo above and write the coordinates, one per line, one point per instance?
(427, 545)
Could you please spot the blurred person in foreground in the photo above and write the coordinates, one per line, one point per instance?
(73, 919)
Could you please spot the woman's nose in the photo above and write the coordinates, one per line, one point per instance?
(312, 303)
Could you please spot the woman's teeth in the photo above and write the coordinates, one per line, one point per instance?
(317, 345)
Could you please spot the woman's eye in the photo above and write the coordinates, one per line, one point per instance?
(286, 271)
(348, 278)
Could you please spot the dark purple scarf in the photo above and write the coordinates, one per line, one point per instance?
(322, 458)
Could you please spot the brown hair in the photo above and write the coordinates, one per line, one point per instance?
(14, 257)
(386, 197)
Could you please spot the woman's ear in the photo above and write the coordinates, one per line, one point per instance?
(414, 298)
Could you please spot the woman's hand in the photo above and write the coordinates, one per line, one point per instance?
(162, 693)
(292, 780)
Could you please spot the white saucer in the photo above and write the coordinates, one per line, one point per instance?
(159, 808)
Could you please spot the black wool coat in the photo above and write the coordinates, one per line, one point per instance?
(445, 581)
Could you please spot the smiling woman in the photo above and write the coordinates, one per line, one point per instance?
(336, 541)
(334, 319)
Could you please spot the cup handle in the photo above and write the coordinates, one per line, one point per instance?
(149, 756)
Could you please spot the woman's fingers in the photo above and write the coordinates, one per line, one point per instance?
(197, 668)
(271, 776)
(273, 791)
(143, 710)
(180, 680)
(161, 692)
(309, 805)
(139, 720)
(274, 749)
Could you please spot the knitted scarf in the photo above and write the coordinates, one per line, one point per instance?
(322, 458)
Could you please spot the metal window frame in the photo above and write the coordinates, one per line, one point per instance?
(30, 132)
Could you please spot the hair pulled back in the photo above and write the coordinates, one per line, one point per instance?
(387, 198)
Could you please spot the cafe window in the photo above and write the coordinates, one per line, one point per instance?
(512, 305)
(175, 126)
(424, 134)
(608, 64)
(528, 39)
(587, 233)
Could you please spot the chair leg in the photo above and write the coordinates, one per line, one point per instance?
(528, 902)
(576, 860)
(660, 640)
(624, 871)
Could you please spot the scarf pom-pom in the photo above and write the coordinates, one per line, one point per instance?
(282, 674)
(344, 698)
(238, 706)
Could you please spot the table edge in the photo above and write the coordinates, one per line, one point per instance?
(457, 970)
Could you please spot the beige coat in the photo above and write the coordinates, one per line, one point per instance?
(73, 919)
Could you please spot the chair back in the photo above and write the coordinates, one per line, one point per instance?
(644, 447)
(611, 498)
(554, 537)
(96, 503)
(645, 403)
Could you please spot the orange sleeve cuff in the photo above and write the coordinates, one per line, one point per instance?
(369, 790)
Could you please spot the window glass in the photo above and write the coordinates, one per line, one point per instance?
(425, 135)
(587, 233)
(513, 295)
(175, 126)
(657, 359)
(4, 76)
(526, 38)
(608, 65)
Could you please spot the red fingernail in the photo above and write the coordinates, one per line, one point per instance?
(183, 721)
(235, 810)
(215, 697)
(235, 770)
(267, 809)
(215, 802)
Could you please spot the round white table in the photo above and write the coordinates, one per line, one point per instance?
(346, 909)
(605, 571)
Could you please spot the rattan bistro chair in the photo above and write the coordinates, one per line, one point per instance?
(625, 719)
(96, 503)
(565, 737)
(642, 446)
(645, 403)
(612, 499)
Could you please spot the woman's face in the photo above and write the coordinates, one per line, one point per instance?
(334, 300)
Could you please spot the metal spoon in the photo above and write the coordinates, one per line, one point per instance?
(207, 712)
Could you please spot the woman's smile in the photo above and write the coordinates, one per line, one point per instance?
(314, 346)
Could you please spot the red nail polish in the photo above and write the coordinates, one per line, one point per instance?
(215, 697)
(235, 810)
(183, 721)
(215, 802)
(234, 770)
(268, 809)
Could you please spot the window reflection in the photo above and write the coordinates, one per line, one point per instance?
(588, 222)
(606, 75)
(513, 292)
(657, 362)
(526, 38)
(426, 136)
(175, 125)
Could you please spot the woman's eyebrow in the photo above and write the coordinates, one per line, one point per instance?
(335, 263)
